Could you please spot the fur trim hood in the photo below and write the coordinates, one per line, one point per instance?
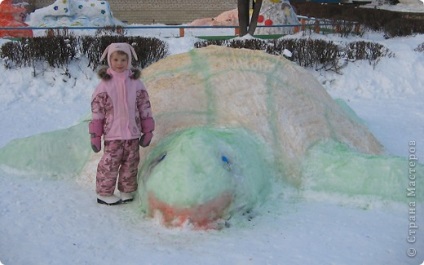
(104, 75)
(119, 46)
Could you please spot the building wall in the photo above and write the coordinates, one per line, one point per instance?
(161, 11)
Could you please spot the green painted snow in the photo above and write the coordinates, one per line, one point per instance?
(333, 168)
(59, 153)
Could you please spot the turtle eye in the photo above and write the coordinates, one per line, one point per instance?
(157, 160)
(226, 162)
(152, 165)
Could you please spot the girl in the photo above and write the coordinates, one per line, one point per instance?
(121, 112)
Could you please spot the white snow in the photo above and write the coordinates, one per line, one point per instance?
(48, 221)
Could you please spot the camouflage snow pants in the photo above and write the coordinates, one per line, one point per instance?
(119, 162)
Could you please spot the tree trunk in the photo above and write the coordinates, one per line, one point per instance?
(243, 16)
(255, 15)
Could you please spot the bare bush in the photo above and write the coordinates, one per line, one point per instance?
(59, 50)
(313, 53)
(148, 50)
(56, 51)
(420, 48)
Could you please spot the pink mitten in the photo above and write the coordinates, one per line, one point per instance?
(145, 139)
(147, 127)
(95, 128)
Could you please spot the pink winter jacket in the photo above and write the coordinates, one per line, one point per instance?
(122, 102)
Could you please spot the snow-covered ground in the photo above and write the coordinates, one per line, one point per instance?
(50, 221)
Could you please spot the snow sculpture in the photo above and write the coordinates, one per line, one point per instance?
(227, 18)
(276, 12)
(273, 12)
(269, 97)
(14, 17)
(74, 13)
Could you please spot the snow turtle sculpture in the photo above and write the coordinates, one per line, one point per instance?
(282, 107)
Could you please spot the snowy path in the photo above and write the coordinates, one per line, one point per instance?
(57, 225)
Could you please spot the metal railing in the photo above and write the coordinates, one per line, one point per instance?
(181, 30)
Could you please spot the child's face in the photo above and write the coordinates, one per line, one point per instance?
(119, 62)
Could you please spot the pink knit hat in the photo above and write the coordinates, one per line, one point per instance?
(119, 46)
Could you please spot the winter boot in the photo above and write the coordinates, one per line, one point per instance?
(108, 200)
(126, 197)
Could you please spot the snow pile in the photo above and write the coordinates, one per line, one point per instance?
(71, 13)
